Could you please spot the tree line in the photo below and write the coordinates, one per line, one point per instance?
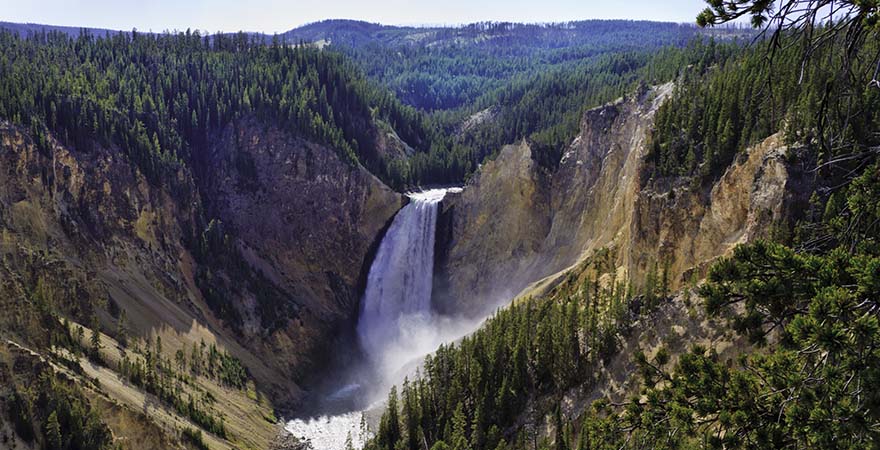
(162, 98)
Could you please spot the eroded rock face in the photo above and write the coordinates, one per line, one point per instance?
(491, 232)
(305, 220)
(533, 224)
(515, 229)
(597, 181)
(686, 227)
(303, 217)
(101, 234)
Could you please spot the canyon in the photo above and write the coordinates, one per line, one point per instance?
(514, 230)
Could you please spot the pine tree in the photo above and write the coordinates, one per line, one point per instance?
(459, 437)
(53, 432)
(559, 441)
(410, 415)
(95, 340)
(389, 427)
(349, 444)
(80, 337)
(195, 360)
(121, 332)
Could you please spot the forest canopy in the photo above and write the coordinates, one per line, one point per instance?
(162, 98)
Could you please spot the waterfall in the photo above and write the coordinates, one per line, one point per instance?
(395, 319)
(396, 325)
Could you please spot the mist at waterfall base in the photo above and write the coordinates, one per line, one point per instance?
(396, 328)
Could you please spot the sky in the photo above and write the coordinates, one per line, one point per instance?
(272, 16)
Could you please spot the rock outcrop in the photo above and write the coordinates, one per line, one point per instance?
(516, 227)
(489, 236)
(306, 221)
(685, 228)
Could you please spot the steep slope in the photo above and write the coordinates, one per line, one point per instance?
(584, 205)
(489, 235)
(683, 227)
(86, 237)
(305, 221)
(540, 224)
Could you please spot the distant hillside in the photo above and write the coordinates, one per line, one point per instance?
(348, 32)
(444, 68)
(23, 29)
(494, 34)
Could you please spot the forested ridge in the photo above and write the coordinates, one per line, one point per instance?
(450, 67)
(712, 118)
(546, 108)
(160, 98)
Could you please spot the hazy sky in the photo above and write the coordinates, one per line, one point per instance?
(281, 15)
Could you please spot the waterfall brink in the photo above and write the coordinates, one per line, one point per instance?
(395, 318)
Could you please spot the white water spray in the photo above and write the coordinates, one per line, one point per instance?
(396, 325)
(331, 432)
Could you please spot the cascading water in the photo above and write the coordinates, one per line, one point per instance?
(396, 325)
(395, 320)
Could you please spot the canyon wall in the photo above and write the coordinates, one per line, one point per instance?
(256, 246)
(517, 226)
